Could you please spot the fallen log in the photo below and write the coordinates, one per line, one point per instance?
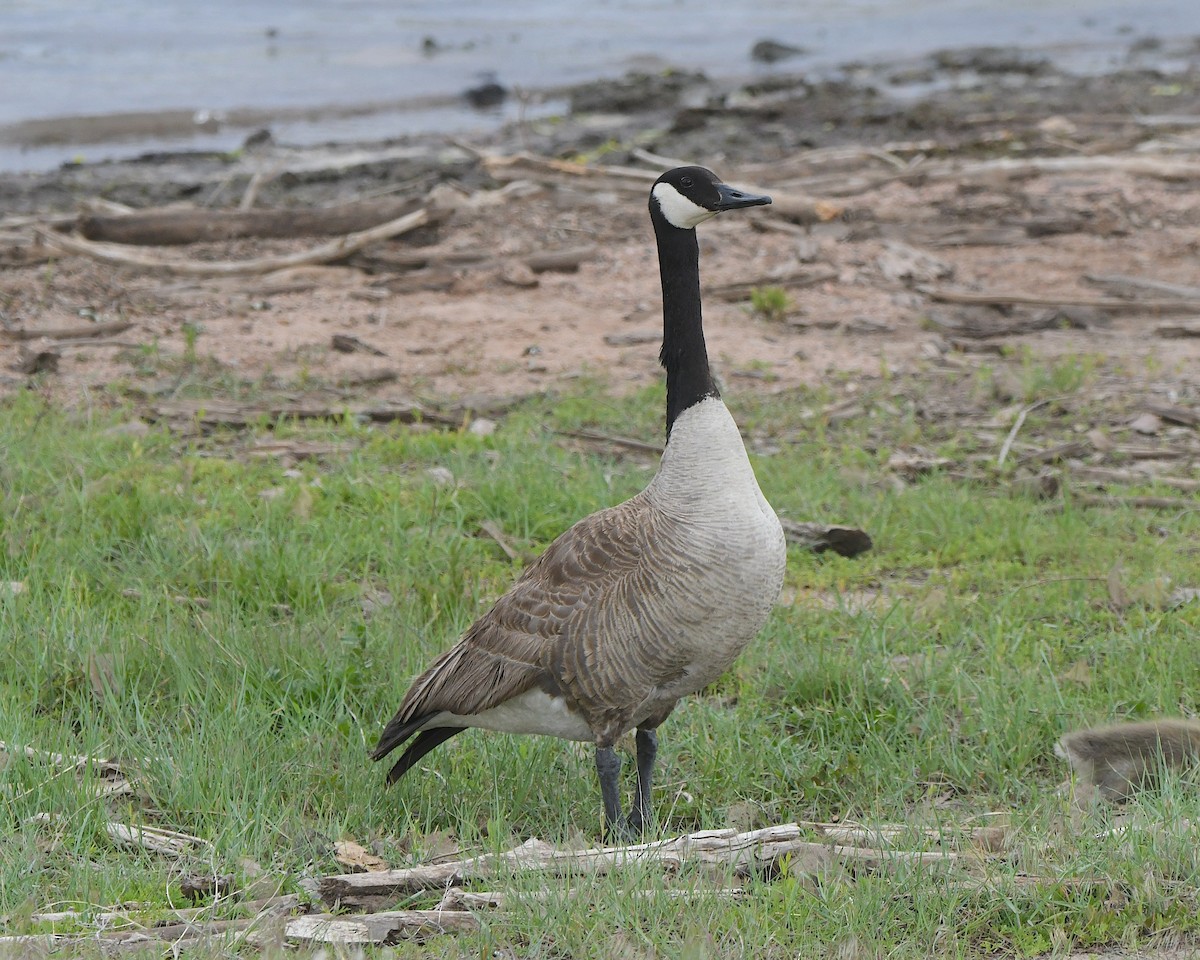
(325, 253)
(170, 227)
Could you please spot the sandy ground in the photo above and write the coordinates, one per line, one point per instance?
(495, 329)
(484, 335)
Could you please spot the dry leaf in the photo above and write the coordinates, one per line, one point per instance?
(357, 857)
(10, 588)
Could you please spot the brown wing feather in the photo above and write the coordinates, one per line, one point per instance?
(512, 647)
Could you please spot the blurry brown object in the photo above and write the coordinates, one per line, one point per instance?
(1119, 760)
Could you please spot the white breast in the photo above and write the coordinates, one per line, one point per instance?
(728, 536)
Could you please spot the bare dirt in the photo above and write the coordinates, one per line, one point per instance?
(908, 208)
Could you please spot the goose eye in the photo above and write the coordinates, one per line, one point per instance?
(685, 181)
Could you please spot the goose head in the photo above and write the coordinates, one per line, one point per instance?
(687, 196)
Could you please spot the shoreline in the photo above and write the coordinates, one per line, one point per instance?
(43, 145)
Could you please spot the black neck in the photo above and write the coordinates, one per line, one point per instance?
(689, 379)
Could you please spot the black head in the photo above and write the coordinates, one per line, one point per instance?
(686, 196)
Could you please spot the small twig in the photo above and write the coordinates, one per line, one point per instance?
(493, 530)
(656, 159)
(629, 443)
(1016, 428)
(252, 188)
(167, 842)
(1149, 503)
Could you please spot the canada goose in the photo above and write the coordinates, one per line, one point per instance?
(1116, 761)
(637, 605)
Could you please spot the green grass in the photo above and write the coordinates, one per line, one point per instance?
(224, 627)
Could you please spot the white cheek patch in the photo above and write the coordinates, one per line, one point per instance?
(678, 209)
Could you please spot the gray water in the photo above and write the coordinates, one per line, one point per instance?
(320, 70)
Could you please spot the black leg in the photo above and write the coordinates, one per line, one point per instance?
(608, 767)
(647, 750)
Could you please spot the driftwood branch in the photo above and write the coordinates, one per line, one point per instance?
(1121, 285)
(325, 253)
(172, 226)
(97, 764)
(1147, 503)
(565, 260)
(105, 329)
(1177, 331)
(220, 413)
(747, 852)
(184, 927)
(111, 918)
(792, 206)
(742, 290)
(1103, 475)
(994, 297)
(383, 927)
(838, 184)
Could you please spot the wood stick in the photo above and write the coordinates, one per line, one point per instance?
(108, 940)
(378, 928)
(1102, 475)
(721, 847)
(1035, 300)
(797, 207)
(222, 413)
(1008, 168)
(493, 530)
(641, 446)
(167, 842)
(105, 329)
(1119, 282)
(1177, 331)
(1016, 428)
(743, 289)
(325, 253)
(287, 901)
(1149, 503)
(566, 260)
(98, 764)
(172, 226)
